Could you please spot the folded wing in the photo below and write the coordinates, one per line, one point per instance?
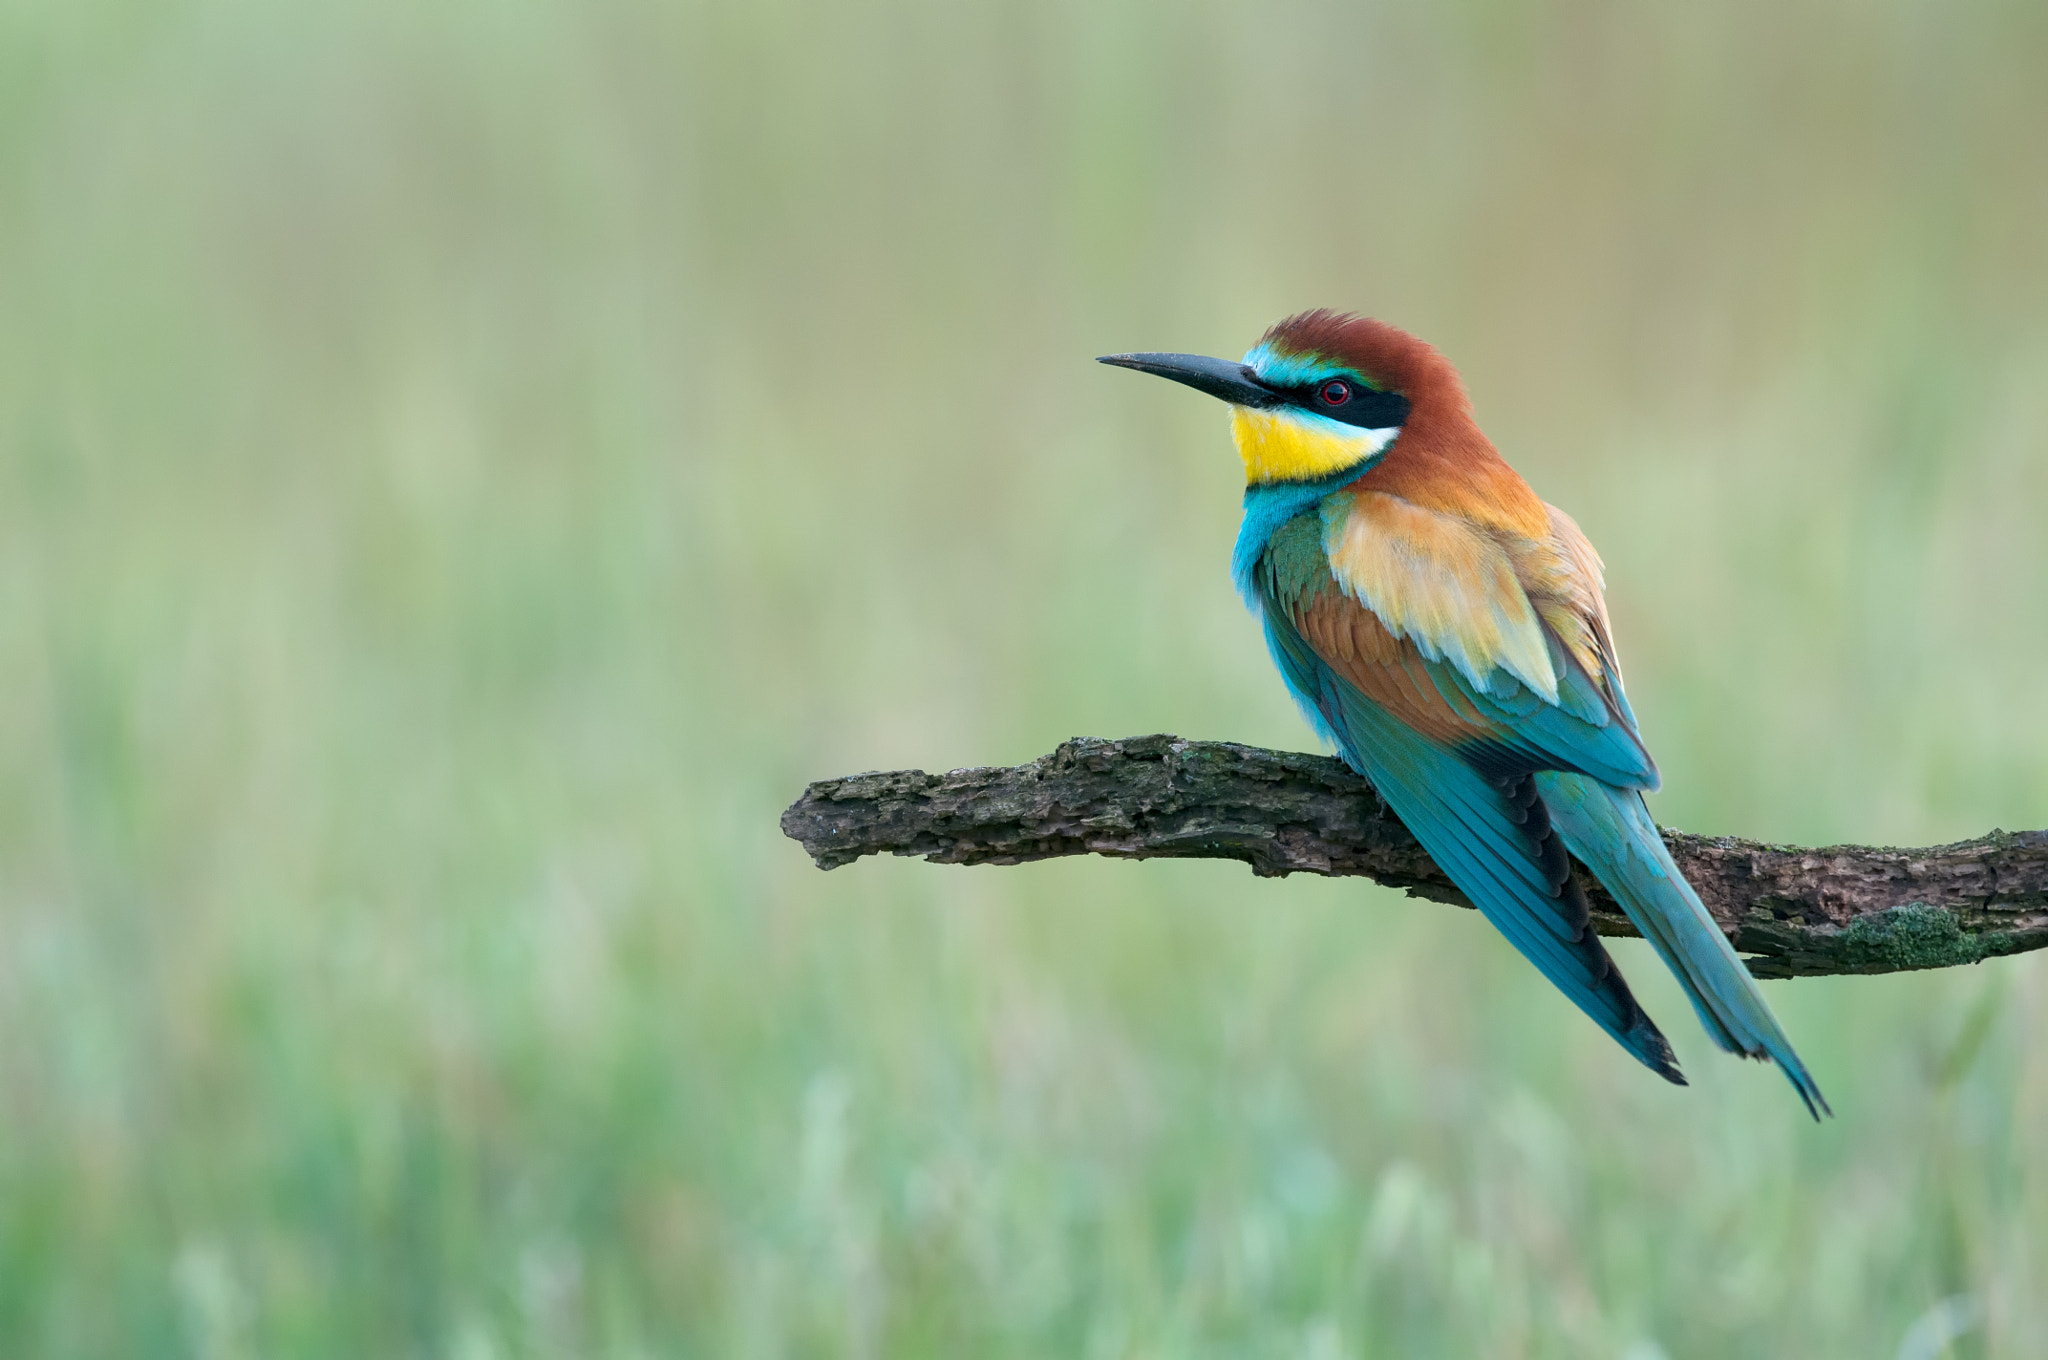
(1426, 741)
(1470, 674)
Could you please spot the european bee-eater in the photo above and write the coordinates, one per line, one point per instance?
(1446, 631)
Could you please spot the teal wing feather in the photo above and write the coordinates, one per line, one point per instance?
(1589, 730)
(1491, 834)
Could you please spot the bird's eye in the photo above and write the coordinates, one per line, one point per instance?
(1335, 393)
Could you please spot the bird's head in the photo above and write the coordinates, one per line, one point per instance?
(1322, 395)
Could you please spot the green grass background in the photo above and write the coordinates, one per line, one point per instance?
(463, 468)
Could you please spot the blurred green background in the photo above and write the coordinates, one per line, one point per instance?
(464, 467)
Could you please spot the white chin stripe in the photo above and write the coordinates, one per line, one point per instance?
(1376, 441)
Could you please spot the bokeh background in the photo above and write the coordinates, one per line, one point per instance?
(464, 467)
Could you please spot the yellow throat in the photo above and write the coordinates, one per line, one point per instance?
(1283, 446)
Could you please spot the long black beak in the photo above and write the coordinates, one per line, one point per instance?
(1235, 383)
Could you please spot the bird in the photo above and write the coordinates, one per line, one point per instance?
(1447, 632)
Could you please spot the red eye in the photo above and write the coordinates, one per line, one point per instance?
(1335, 393)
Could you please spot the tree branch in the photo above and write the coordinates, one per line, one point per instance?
(1843, 909)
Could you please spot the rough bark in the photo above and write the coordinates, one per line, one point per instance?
(1841, 909)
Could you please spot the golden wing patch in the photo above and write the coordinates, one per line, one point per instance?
(1563, 577)
(1444, 583)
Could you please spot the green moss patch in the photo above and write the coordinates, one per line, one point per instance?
(1912, 936)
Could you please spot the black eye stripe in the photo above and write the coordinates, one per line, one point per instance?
(1360, 405)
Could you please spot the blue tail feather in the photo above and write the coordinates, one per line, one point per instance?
(1611, 831)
